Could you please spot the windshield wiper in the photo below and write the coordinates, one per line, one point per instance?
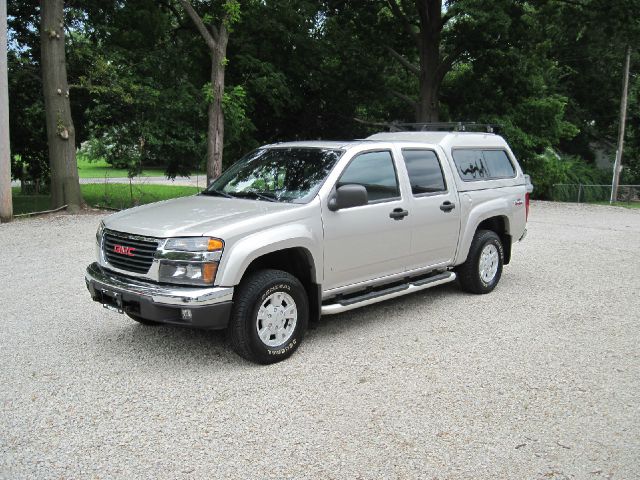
(262, 196)
(220, 193)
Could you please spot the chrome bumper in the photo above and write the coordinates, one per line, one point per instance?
(159, 294)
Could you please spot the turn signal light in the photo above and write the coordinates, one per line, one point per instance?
(215, 244)
(209, 272)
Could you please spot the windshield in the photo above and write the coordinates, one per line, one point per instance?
(277, 174)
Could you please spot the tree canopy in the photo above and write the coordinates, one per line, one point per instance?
(140, 76)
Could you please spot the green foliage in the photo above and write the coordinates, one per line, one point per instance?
(548, 71)
(114, 148)
(144, 110)
(28, 136)
(550, 168)
(588, 40)
(234, 105)
(509, 79)
(238, 126)
(232, 13)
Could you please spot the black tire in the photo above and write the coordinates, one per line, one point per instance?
(143, 321)
(469, 276)
(252, 292)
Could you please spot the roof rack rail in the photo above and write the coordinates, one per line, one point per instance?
(443, 127)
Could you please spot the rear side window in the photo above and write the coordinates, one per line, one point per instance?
(375, 172)
(476, 164)
(499, 164)
(470, 164)
(425, 173)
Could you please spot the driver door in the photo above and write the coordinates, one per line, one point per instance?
(368, 241)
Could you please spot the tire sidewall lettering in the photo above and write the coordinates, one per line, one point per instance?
(283, 287)
(283, 350)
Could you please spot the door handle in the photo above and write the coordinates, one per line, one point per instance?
(447, 206)
(398, 214)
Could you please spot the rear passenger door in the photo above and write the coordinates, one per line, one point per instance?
(435, 212)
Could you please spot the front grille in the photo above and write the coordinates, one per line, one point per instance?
(129, 252)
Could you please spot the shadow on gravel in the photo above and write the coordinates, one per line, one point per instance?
(176, 345)
(168, 345)
(390, 310)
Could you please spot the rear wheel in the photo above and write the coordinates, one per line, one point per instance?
(482, 270)
(141, 320)
(270, 316)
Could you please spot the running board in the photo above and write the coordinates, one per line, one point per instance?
(345, 305)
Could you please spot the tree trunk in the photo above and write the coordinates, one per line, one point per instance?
(215, 130)
(430, 14)
(433, 67)
(65, 185)
(6, 206)
(429, 83)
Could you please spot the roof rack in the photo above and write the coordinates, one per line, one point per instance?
(443, 127)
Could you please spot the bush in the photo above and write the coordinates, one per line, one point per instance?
(115, 149)
(550, 168)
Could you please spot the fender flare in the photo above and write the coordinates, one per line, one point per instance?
(235, 262)
(494, 208)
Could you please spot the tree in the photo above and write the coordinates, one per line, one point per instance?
(6, 207)
(27, 121)
(216, 39)
(588, 41)
(443, 33)
(509, 79)
(142, 71)
(65, 185)
(426, 35)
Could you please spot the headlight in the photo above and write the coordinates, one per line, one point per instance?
(194, 244)
(192, 273)
(99, 233)
(190, 260)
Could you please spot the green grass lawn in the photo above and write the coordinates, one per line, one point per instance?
(113, 195)
(101, 169)
(622, 204)
(29, 203)
(121, 196)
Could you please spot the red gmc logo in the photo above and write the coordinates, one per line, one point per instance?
(124, 250)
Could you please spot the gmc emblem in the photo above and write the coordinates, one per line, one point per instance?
(124, 250)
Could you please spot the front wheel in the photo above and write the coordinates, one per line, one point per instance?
(482, 270)
(270, 316)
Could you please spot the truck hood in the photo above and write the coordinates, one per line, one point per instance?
(191, 216)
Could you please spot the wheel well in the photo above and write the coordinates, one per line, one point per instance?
(299, 263)
(500, 225)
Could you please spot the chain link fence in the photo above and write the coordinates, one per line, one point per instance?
(583, 193)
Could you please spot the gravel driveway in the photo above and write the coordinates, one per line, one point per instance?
(540, 379)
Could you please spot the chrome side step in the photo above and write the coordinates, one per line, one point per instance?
(345, 305)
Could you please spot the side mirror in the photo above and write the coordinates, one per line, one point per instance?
(347, 196)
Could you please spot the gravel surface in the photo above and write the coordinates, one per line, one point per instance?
(539, 379)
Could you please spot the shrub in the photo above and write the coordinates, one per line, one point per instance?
(550, 168)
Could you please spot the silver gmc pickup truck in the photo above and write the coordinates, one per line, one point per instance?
(297, 230)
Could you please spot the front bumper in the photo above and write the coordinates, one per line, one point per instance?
(209, 307)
